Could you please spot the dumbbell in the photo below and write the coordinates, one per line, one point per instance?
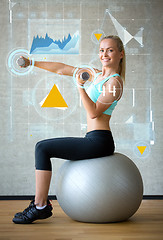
(84, 76)
(21, 62)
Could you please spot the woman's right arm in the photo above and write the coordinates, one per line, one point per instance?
(56, 67)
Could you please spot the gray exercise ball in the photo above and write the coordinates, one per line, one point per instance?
(99, 190)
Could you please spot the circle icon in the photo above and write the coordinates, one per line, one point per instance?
(109, 89)
(85, 73)
(97, 35)
(55, 99)
(14, 62)
(142, 149)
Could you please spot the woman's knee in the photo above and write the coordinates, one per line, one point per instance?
(41, 150)
(40, 146)
(42, 159)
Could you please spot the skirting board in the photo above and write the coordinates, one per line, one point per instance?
(53, 197)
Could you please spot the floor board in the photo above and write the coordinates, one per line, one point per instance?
(146, 224)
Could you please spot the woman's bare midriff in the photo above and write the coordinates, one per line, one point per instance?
(100, 123)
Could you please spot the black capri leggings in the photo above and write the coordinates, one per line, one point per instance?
(97, 143)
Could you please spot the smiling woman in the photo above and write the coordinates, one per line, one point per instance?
(107, 87)
(116, 47)
(99, 102)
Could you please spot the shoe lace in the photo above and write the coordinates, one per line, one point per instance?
(29, 207)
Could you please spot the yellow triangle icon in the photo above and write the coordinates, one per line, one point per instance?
(141, 149)
(98, 35)
(54, 99)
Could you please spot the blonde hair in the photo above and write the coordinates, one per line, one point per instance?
(122, 64)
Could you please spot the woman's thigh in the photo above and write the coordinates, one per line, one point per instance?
(70, 148)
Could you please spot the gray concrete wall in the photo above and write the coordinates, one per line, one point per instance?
(136, 121)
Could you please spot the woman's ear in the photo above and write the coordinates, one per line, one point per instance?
(121, 54)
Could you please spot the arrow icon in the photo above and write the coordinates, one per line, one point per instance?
(98, 35)
(141, 149)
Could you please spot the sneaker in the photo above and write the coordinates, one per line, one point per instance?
(31, 205)
(31, 213)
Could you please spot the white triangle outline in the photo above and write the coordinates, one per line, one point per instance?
(124, 34)
(43, 100)
(11, 5)
(139, 36)
(127, 37)
(130, 120)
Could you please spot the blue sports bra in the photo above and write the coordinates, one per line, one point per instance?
(95, 90)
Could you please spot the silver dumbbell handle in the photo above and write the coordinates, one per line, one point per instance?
(21, 62)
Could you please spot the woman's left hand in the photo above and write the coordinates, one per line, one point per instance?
(80, 82)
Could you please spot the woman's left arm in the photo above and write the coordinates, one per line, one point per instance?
(89, 105)
(111, 91)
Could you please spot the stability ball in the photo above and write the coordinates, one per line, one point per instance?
(99, 190)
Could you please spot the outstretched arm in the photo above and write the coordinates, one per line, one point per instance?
(56, 67)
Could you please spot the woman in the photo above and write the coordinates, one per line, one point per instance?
(99, 101)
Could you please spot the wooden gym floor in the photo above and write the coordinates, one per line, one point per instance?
(146, 224)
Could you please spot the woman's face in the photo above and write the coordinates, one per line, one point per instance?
(109, 54)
